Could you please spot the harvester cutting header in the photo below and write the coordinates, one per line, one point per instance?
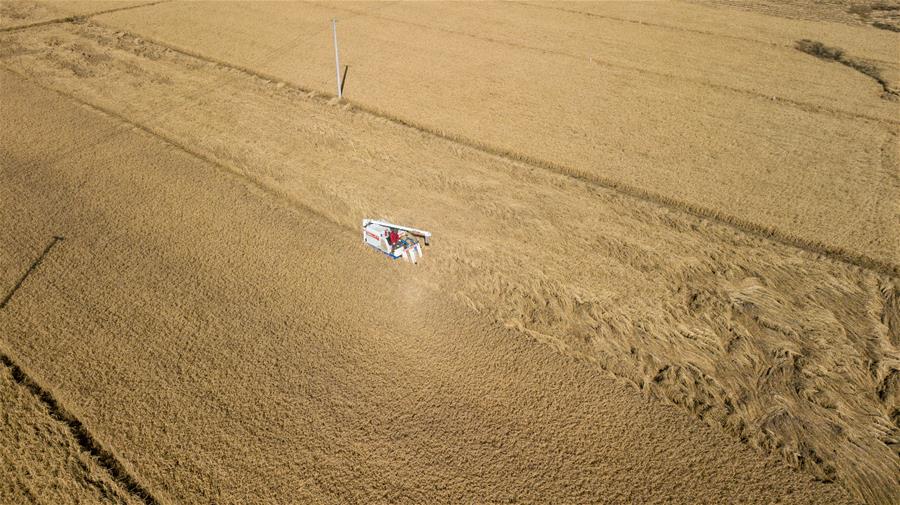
(393, 240)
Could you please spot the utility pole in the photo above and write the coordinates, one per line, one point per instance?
(337, 61)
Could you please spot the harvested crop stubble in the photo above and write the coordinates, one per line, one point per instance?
(792, 352)
(701, 108)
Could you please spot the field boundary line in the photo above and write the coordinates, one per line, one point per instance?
(77, 17)
(34, 265)
(743, 225)
(236, 172)
(86, 440)
(639, 22)
(685, 29)
(740, 224)
(646, 23)
(799, 104)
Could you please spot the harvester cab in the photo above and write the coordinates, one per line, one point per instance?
(395, 241)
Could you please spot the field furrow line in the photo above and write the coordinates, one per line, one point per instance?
(77, 17)
(86, 440)
(799, 104)
(834, 253)
(645, 23)
(744, 225)
(132, 124)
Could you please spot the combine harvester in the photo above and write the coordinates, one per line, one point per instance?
(393, 240)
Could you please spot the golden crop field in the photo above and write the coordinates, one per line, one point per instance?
(665, 265)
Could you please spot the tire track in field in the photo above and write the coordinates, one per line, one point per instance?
(771, 233)
(86, 440)
(129, 122)
(804, 106)
(77, 17)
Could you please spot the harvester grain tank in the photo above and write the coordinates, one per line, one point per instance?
(395, 241)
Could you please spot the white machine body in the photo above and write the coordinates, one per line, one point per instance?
(393, 240)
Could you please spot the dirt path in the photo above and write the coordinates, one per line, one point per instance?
(191, 318)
